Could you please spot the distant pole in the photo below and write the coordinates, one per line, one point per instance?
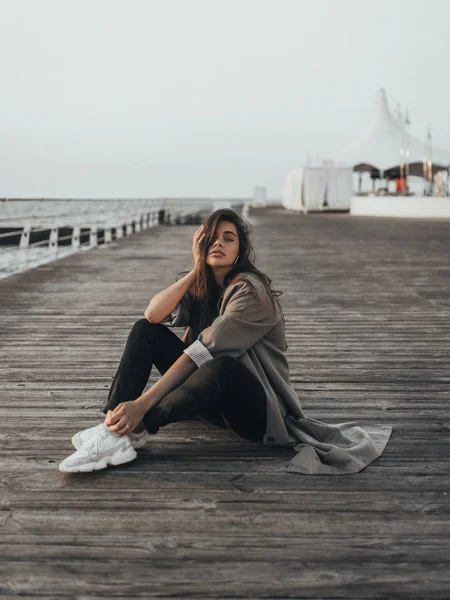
(402, 147)
(430, 161)
(427, 163)
(401, 162)
(407, 124)
(425, 170)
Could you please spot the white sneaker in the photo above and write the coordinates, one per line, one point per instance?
(138, 440)
(102, 449)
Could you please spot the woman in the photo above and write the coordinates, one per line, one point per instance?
(230, 368)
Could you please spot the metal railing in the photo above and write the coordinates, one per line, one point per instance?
(35, 232)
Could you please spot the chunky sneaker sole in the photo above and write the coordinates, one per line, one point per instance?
(138, 440)
(120, 457)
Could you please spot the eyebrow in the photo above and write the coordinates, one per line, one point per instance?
(229, 232)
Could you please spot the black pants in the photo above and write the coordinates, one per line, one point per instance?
(222, 391)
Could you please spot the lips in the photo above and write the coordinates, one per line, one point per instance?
(218, 253)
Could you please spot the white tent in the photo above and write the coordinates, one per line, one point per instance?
(318, 188)
(380, 144)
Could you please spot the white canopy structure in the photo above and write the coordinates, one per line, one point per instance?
(318, 188)
(380, 145)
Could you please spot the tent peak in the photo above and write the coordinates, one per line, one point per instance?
(382, 143)
(383, 119)
(382, 98)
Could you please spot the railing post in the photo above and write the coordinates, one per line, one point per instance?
(93, 237)
(119, 231)
(108, 235)
(53, 241)
(76, 238)
(129, 227)
(25, 237)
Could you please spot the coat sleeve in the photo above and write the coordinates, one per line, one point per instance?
(247, 316)
(181, 314)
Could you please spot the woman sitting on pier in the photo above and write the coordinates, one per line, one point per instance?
(230, 368)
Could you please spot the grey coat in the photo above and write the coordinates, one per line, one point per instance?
(251, 330)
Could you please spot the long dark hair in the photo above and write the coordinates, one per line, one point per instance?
(205, 291)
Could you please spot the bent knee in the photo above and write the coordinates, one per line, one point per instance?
(143, 326)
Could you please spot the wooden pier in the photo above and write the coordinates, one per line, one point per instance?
(202, 513)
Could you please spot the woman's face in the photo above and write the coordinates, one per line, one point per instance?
(225, 247)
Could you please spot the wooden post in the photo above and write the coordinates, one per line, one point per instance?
(93, 237)
(25, 237)
(76, 238)
(53, 241)
(108, 235)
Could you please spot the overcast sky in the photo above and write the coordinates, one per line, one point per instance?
(152, 98)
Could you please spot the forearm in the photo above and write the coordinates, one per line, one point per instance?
(164, 302)
(177, 374)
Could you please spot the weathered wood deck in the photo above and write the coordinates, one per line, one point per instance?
(367, 304)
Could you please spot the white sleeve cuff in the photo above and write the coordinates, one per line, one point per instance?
(199, 354)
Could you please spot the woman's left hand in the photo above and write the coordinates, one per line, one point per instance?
(125, 417)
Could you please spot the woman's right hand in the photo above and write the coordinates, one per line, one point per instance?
(196, 242)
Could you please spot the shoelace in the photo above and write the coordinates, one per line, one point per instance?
(95, 443)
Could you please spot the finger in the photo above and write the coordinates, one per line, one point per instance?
(116, 411)
(122, 429)
(125, 430)
(200, 238)
(115, 419)
(117, 431)
(108, 416)
(118, 426)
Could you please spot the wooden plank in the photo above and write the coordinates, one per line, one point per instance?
(201, 512)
